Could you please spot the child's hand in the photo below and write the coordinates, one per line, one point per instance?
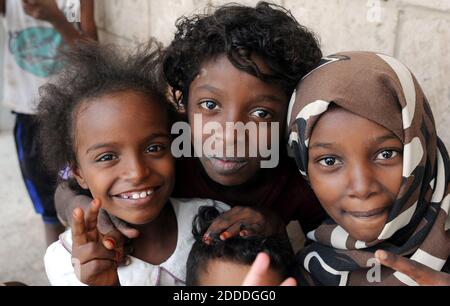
(245, 221)
(115, 231)
(94, 264)
(115, 228)
(255, 276)
(421, 274)
(44, 10)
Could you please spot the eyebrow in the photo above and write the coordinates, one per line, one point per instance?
(383, 138)
(267, 98)
(377, 140)
(101, 146)
(210, 88)
(325, 145)
(113, 144)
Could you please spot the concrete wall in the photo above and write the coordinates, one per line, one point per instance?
(415, 31)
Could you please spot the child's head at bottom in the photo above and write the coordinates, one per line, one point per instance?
(226, 263)
(106, 116)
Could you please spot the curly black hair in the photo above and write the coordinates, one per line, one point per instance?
(92, 70)
(269, 31)
(242, 250)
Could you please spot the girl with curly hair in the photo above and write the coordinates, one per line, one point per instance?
(238, 64)
(107, 117)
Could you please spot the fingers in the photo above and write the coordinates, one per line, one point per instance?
(124, 228)
(224, 221)
(111, 237)
(96, 267)
(98, 273)
(91, 220)
(252, 230)
(233, 231)
(241, 229)
(259, 268)
(108, 224)
(290, 282)
(232, 222)
(411, 268)
(92, 214)
(93, 251)
(421, 274)
(79, 234)
(104, 223)
(113, 240)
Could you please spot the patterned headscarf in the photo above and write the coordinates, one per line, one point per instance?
(381, 89)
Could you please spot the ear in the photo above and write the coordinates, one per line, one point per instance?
(78, 174)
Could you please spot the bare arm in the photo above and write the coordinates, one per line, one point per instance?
(66, 200)
(87, 20)
(48, 10)
(2, 7)
(88, 25)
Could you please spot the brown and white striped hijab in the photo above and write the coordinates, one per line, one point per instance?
(381, 89)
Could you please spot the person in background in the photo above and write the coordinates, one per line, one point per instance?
(36, 31)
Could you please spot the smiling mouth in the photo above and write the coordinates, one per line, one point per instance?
(137, 195)
(228, 165)
(368, 214)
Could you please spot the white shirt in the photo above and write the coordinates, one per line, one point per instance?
(172, 272)
(31, 54)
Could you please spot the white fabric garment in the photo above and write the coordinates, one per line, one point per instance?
(31, 49)
(172, 272)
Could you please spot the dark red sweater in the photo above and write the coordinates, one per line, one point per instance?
(283, 189)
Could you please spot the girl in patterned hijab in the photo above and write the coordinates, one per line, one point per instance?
(363, 135)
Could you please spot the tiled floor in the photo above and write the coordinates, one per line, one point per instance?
(22, 242)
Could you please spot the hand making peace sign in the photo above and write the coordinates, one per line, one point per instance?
(94, 264)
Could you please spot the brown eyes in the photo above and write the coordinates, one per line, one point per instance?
(209, 105)
(262, 114)
(387, 154)
(106, 157)
(154, 149)
(329, 161)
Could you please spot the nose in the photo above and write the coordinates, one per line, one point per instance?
(234, 141)
(362, 183)
(136, 170)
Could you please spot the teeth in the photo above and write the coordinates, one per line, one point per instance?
(137, 195)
